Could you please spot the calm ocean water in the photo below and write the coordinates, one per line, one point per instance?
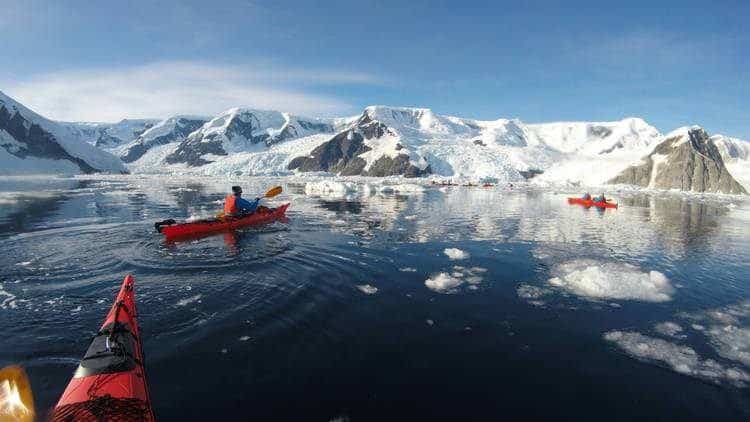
(453, 303)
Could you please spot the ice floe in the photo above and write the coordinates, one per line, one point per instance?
(669, 329)
(455, 253)
(450, 281)
(7, 299)
(189, 300)
(611, 280)
(682, 359)
(532, 294)
(367, 289)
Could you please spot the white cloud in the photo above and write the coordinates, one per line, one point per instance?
(161, 89)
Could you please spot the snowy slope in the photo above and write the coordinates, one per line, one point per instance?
(593, 152)
(172, 130)
(242, 130)
(108, 136)
(736, 155)
(31, 144)
(248, 141)
(501, 149)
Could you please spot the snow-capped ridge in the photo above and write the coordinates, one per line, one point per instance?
(33, 144)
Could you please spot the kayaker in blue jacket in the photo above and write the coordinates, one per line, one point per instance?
(235, 204)
(600, 198)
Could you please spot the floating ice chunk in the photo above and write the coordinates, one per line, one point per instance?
(367, 289)
(443, 283)
(403, 188)
(76, 309)
(731, 342)
(727, 330)
(679, 358)
(408, 270)
(669, 329)
(331, 187)
(609, 280)
(244, 338)
(527, 291)
(455, 253)
(189, 300)
(9, 300)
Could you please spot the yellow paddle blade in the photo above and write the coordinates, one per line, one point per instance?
(273, 192)
(16, 399)
(220, 215)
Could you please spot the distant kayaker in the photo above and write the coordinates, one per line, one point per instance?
(586, 196)
(600, 198)
(235, 204)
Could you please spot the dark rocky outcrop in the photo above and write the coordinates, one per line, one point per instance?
(687, 161)
(530, 173)
(341, 154)
(182, 128)
(34, 140)
(192, 150)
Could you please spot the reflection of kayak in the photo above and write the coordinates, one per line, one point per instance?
(110, 382)
(590, 203)
(261, 216)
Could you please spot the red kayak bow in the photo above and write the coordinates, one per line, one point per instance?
(110, 382)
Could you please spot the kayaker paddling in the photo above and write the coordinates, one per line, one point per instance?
(235, 204)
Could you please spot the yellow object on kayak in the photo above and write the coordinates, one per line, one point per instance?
(16, 399)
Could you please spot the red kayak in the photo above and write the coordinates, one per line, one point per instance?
(172, 229)
(591, 203)
(110, 382)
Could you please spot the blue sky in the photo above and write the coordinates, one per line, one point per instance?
(671, 62)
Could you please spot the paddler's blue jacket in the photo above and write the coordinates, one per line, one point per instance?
(246, 206)
(234, 205)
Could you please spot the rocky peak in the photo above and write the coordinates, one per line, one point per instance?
(687, 160)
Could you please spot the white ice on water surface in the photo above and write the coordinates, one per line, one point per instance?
(725, 329)
(455, 254)
(669, 329)
(611, 280)
(682, 359)
(449, 281)
(367, 289)
(189, 300)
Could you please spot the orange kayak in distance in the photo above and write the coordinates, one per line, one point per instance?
(591, 203)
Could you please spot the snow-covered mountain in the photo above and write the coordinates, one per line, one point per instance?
(241, 130)
(381, 141)
(687, 159)
(32, 144)
(502, 149)
(108, 136)
(172, 130)
(736, 155)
